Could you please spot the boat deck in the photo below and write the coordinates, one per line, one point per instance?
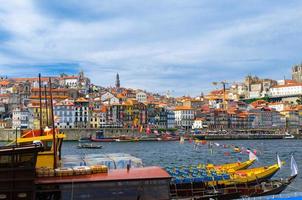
(145, 173)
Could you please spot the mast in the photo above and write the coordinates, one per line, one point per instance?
(53, 126)
(40, 98)
(46, 104)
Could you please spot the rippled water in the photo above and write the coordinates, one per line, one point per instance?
(174, 153)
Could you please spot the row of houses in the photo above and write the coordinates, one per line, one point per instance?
(85, 113)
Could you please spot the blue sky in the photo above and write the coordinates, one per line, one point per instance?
(175, 45)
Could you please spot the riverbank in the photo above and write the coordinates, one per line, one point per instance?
(76, 134)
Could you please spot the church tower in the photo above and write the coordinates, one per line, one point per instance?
(117, 81)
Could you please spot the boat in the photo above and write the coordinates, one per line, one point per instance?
(198, 190)
(211, 178)
(89, 146)
(85, 139)
(99, 137)
(17, 171)
(231, 166)
(288, 136)
(236, 191)
(133, 183)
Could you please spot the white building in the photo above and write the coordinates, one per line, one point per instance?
(286, 90)
(22, 118)
(64, 111)
(69, 81)
(198, 123)
(141, 97)
(184, 117)
(278, 106)
(108, 98)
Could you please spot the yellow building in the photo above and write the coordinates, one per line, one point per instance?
(34, 108)
(95, 119)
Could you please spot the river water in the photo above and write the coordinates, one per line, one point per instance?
(175, 154)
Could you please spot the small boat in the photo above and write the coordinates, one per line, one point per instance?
(288, 136)
(84, 139)
(89, 146)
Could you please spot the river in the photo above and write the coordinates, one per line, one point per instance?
(174, 153)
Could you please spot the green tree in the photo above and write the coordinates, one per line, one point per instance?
(299, 100)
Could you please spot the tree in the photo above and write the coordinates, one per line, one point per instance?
(299, 100)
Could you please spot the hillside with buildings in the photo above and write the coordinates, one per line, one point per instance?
(254, 103)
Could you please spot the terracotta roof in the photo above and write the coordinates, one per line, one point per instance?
(258, 103)
(183, 108)
(48, 97)
(47, 89)
(4, 83)
(81, 99)
(287, 85)
(32, 79)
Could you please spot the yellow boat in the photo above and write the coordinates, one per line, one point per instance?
(231, 166)
(248, 175)
(45, 158)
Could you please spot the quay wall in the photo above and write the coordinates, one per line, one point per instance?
(75, 134)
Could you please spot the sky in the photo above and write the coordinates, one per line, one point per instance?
(156, 45)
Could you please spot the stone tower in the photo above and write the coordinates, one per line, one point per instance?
(117, 81)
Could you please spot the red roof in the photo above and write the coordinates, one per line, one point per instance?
(145, 173)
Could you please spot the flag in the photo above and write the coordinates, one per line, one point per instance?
(148, 130)
(182, 140)
(279, 161)
(141, 129)
(293, 166)
(252, 156)
(217, 144)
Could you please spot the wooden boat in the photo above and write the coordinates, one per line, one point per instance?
(211, 178)
(196, 191)
(231, 166)
(248, 175)
(202, 190)
(17, 171)
(89, 146)
(46, 158)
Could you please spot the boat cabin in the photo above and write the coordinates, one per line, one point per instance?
(17, 171)
(45, 158)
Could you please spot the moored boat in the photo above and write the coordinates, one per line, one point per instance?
(89, 146)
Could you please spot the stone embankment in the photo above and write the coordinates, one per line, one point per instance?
(75, 134)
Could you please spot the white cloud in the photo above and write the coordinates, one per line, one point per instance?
(155, 45)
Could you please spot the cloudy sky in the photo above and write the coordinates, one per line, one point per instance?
(158, 45)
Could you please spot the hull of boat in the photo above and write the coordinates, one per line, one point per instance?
(232, 166)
